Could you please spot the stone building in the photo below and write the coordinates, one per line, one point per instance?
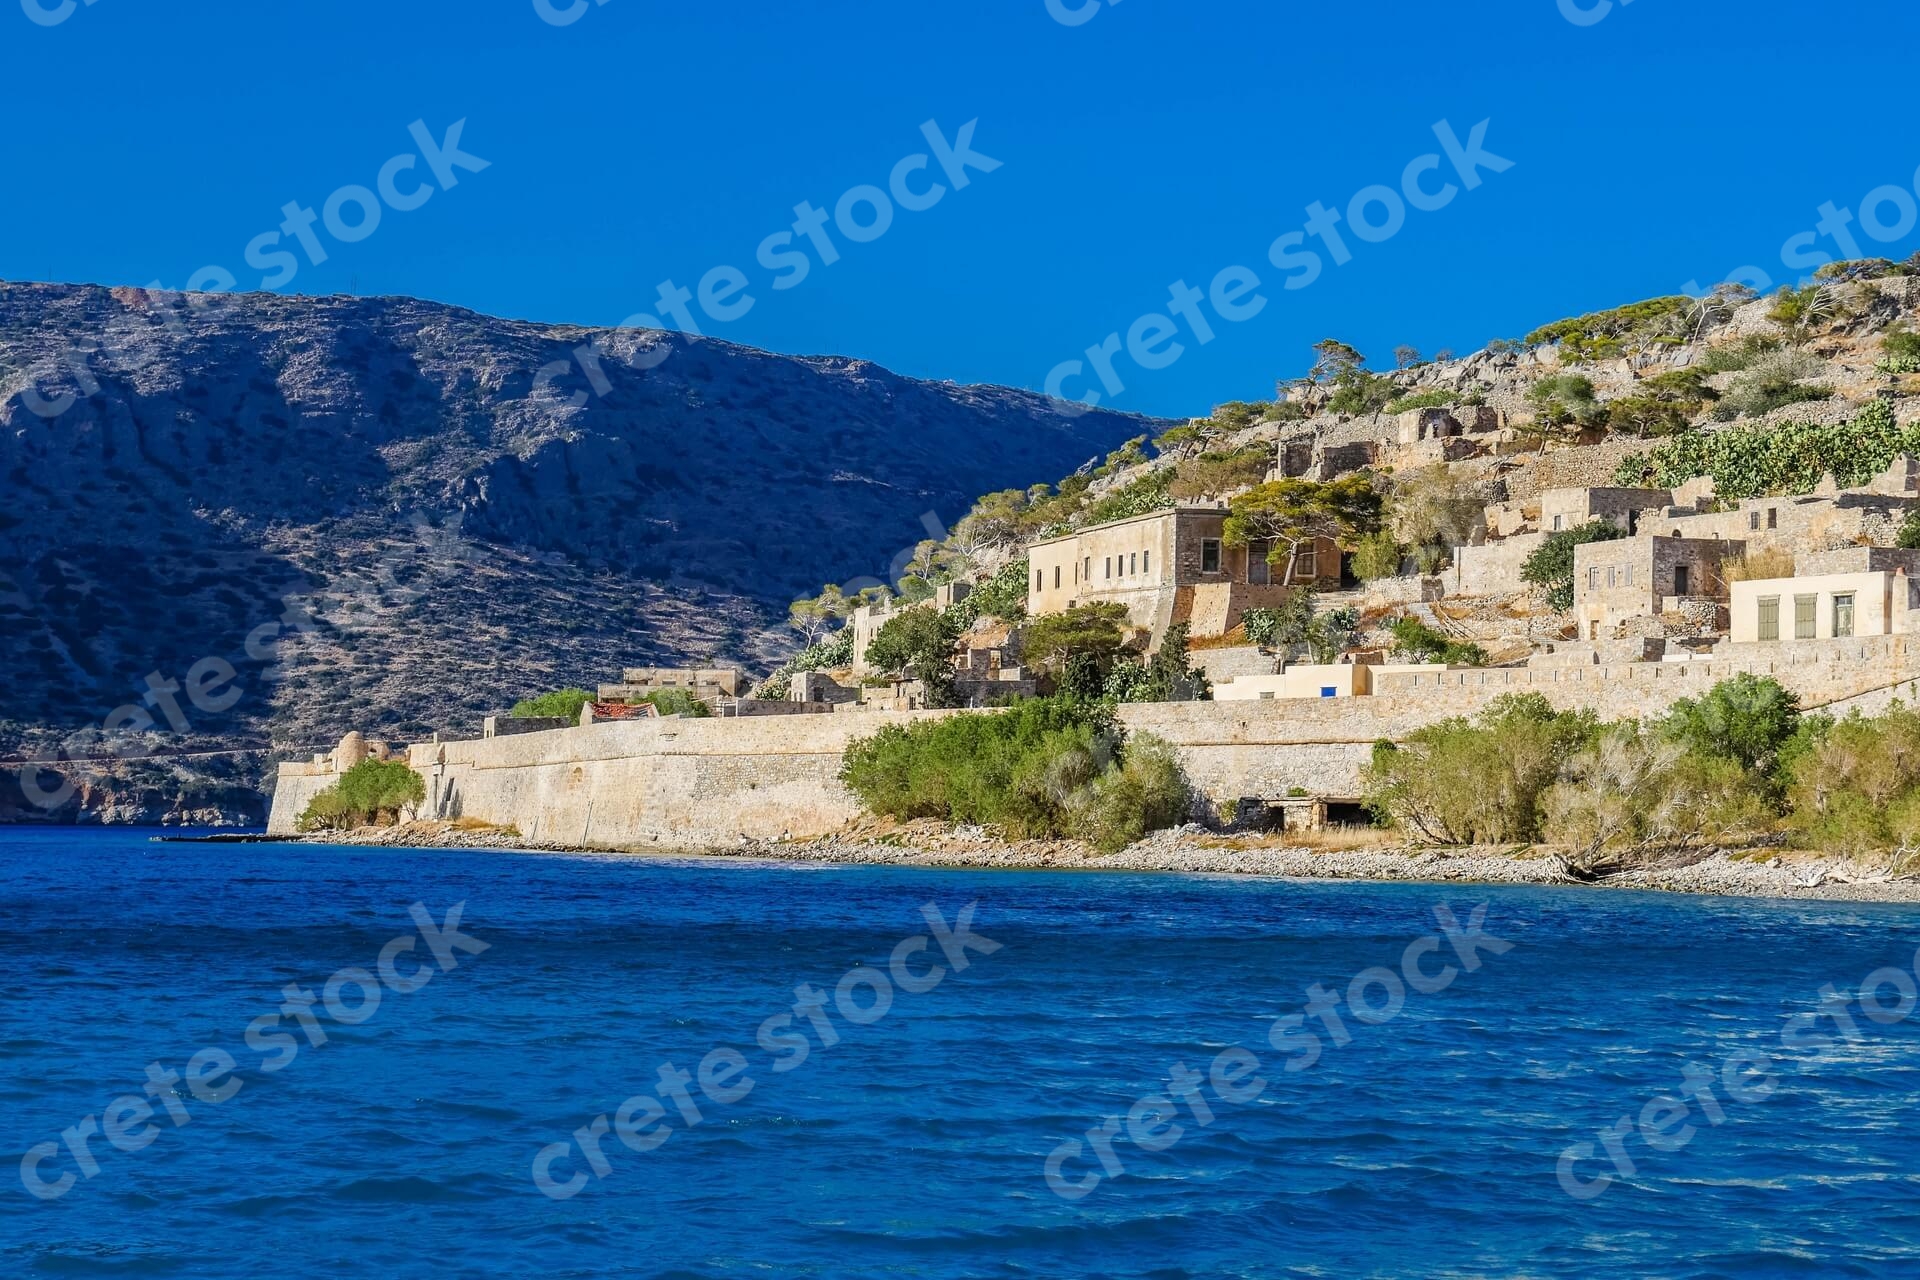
(708, 684)
(1637, 580)
(1855, 591)
(1167, 567)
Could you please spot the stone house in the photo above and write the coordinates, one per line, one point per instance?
(1855, 591)
(708, 684)
(1629, 580)
(1167, 567)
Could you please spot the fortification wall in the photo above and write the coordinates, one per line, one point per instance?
(695, 783)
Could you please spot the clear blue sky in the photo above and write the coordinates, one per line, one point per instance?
(1670, 140)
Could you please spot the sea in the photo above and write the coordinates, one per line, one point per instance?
(265, 1059)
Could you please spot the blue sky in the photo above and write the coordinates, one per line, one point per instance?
(1658, 142)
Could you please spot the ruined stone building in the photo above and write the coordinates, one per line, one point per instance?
(1170, 566)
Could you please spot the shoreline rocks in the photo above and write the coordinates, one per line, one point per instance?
(1195, 851)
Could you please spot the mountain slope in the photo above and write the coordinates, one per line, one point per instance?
(468, 508)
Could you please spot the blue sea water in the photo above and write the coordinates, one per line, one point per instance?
(915, 1146)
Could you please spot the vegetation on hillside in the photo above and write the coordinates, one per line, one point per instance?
(1790, 458)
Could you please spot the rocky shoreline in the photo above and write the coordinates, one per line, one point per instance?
(1195, 851)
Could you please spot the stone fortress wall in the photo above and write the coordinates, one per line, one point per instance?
(687, 784)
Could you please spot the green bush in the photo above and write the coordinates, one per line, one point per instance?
(373, 792)
(1357, 392)
(1046, 768)
(1746, 719)
(1478, 781)
(1418, 642)
(1855, 788)
(1631, 792)
(1377, 556)
(561, 703)
(1604, 334)
(1098, 631)
(677, 702)
(1566, 399)
(1551, 564)
(834, 652)
(1438, 398)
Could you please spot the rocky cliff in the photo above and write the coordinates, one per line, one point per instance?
(395, 515)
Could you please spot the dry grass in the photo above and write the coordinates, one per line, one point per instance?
(1771, 562)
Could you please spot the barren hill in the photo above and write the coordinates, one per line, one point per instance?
(470, 509)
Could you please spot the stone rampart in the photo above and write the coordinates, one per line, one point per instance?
(694, 783)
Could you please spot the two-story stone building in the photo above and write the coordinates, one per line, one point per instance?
(1171, 566)
(1621, 582)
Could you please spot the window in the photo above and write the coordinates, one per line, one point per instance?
(1307, 562)
(1773, 517)
(1039, 583)
(1804, 609)
(1842, 614)
(1088, 574)
(1612, 572)
(1109, 564)
(1680, 583)
(1769, 628)
(1133, 564)
(1056, 577)
(1558, 523)
(1146, 562)
(1328, 691)
(1209, 555)
(1593, 578)
(1629, 575)
(1753, 518)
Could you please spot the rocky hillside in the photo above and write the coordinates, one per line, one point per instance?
(395, 515)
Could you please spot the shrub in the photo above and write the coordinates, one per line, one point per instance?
(1856, 788)
(1605, 334)
(1046, 768)
(1566, 399)
(563, 703)
(1378, 555)
(1418, 642)
(1213, 474)
(1747, 719)
(677, 702)
(1632, 793)
(373, 792)
(1909, 535)
(1551, 565)
(1438, 398)
(833, 652)
(1737, 356)
(1772, 382)
(1477, 781)
(1003, 596)
(1357, 392)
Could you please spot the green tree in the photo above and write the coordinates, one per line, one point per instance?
(678, 702)
(1415, 641)
(1098, 631)
(1566, 399)
(561, 703)
(1291, 513)
(1551, 564)
(371, 793)
(815, 616)
(1746, 718)
(918, 643)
